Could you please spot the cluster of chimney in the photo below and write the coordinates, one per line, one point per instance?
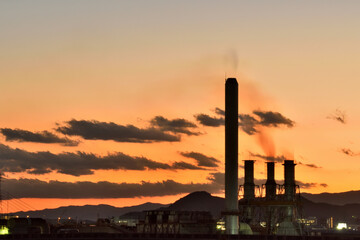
(270, 185)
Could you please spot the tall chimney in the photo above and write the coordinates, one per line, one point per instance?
(231, 156)
(270, 182)
(289, 183)
(249, 186)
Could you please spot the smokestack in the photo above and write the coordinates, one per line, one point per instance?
(270, 182)
(231, 156)
(289, 183)
(249, 186)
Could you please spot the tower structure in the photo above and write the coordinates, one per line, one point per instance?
(231, 156)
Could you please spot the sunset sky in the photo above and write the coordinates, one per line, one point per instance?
(120, 102)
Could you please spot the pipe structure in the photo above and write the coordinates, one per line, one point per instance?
(231, 156)
(270, 182)
(249, 185)
(289, 183)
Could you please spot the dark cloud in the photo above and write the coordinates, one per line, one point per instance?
(20, 135)
(209, 121)
(308, 165)
(178, 125)
(185, 165)
(269, 118)
(76, 164)
(95, 130)
(201, 159)
(248, 123)
(349, 152)
(280, 159)
(338, 115)
(33, 188)
(268, 158)
(218, 178)
(219, 111)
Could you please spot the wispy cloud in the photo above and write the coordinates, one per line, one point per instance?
(273, 119)
(178, 125)
(349, 152)
(20, 135)
(219, 179)
(78, 163)
(247, 122)
(338, 115)
(201, 159)
(268, 158)
(95, 130)
(310, 165)
(210, 121)
(33, 188)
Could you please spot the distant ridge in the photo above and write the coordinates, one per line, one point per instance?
(196, 201)
(89, 212)
(341, 198)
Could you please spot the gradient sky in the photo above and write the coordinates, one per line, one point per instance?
(127, 62)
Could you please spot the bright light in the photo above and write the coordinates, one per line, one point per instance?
(4, 230)
(341, 226)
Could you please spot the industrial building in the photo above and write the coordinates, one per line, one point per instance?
(177, 222)
(275, 212)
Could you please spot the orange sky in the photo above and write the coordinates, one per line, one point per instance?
(127, 62)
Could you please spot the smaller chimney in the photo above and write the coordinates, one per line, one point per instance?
(270, 182)
(249, 186)
(289, 183)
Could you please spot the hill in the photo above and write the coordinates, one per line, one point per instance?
(89, 212)
(200, 201)
(341, 198)
(196, 201)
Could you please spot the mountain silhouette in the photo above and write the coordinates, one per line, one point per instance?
(341, 198)
(199, 201)
(196, 201)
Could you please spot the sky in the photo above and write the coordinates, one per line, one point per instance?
(121, 102)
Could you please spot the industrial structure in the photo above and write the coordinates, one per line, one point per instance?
(270, 209)
(231, 156)
(273, 213)
(177, 222)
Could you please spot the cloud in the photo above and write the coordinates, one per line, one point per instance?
(185, 165)
(281, 159)
(33, 188)
(209, 121)
(268, 158)
(201, 159)
(308, 165)
(95, 130)
(219, 111)
(20, 135)
(349, 152)
(78, 163)
(218, 178)
(273, 119)
(338, 115)
(178, 125)
(248, 123)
